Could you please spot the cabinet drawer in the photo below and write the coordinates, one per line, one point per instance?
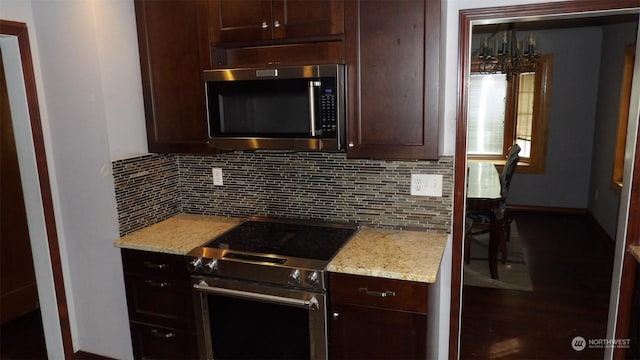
(378, 292)
(156, 264)
(155, 342)
(158, 300)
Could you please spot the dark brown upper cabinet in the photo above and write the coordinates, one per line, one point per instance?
(258, 20)
(174, 50)
(392, 52)
(276, 32)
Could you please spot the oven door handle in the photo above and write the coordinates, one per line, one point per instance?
(312, 303)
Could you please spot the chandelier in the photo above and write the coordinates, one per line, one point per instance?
(503, 53)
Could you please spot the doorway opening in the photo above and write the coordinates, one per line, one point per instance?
(558, 13)
(25, 112)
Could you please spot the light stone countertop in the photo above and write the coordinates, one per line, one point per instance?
(402, 255)
(393, 254)
(635, 251)
(178, 234)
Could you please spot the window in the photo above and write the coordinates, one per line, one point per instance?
(524, 113)
(487, 99)
(623, 115)
(505, 111)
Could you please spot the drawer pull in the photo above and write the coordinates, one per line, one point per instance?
(161, 334)
(158, 284)
(151, 265)
(378, 293)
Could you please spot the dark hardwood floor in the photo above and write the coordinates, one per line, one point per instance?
(23, 338)
(570, 265)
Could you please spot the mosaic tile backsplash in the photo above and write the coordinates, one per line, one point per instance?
(146, 190)
(324, 186)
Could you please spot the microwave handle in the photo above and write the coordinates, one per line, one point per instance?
(313, 84)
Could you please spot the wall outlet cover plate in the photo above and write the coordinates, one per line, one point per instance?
(426, 185)
(217, 176)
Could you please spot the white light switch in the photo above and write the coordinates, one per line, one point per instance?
(217, 176)
(426, 185)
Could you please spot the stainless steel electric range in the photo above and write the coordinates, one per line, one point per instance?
(260, 289)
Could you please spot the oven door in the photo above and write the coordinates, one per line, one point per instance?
(239, 319)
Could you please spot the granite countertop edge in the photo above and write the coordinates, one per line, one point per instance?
(635, 251)
(393, 254)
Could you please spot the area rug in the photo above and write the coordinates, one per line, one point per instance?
(513, 275)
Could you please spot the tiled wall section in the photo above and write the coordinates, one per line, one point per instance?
(323, 186)
(316, 186)
(146, 190)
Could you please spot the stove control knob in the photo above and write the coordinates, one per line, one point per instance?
(294, 277)
(211, 266)
(313, 278)
(195, 264)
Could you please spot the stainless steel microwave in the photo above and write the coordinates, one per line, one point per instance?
(278, 108)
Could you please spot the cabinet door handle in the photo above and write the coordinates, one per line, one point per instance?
(264, 25)
(162, 284)
(162, 334)
(276, 24)
(152, 265)
(336, 315)
(377, 293)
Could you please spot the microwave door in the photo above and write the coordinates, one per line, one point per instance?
(274, 108)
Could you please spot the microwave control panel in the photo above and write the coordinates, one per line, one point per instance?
(328, 112)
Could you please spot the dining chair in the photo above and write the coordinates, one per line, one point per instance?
(505, 183)
(482, 220)
(468, 225)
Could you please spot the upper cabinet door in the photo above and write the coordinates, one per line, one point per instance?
(174, 50)
(392, 51)
(235, 21)
(307, 18)
(240, 20)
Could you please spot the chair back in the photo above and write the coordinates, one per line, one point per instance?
(509, 168)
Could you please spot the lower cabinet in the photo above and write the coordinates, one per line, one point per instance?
(154, 342)
(376, 318)
(634, 330)
(160, 305)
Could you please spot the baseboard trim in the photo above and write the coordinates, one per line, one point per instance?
(547, 209)
(606, 239)
(83, 355)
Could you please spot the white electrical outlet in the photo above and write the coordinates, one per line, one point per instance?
(217, 176)
(426, 185)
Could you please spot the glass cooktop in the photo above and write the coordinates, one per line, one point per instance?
(300, 240)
